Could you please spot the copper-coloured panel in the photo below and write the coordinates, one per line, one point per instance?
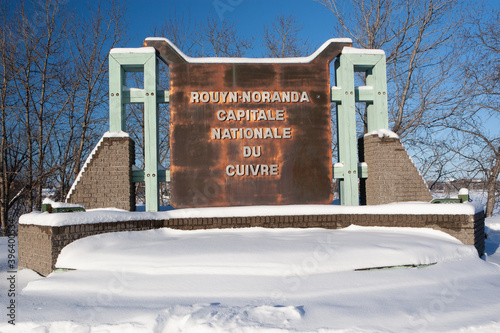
(249, 133)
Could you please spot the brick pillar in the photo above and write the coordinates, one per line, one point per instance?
(392, 175)
(35, 248)
(106, 179)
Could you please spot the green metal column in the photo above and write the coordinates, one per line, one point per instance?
(143, 60)
(151, 134)
(377, 109)
(117, 117)
(346, 131)
(374, 94)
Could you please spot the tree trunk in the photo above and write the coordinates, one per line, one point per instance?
(4, 193)
(30, 143)
(492, 182)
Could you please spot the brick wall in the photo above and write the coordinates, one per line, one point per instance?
(392, 176)
(107, 179)
(39, 246)
(35, 248)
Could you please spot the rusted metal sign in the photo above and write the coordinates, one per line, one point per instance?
(249, 131)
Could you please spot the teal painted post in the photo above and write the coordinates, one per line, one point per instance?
(346, 131)
(151, 134)
(139, 60)
(374, 94)
(377, 110)
(117, 116)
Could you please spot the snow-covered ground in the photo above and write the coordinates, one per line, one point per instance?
(263, 280)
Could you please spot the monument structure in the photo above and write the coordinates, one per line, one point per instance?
(247, 132)
(254, 131)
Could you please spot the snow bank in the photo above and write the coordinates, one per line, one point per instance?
(260, 251)
(263, 280)
(117, 215)
(493, 222)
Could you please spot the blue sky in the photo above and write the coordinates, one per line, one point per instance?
(249, 16)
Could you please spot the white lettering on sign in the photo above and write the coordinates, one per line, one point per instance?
(195, 97)
(246, 117)
(252, 170)
(252, 151)
(204, 97)
(250, 115)
(251, 133)
(249, 97)
(304, 97)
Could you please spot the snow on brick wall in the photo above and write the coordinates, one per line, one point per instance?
(85, 166)
(106, 178)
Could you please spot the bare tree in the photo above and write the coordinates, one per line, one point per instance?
(53, 95)
(27, 47)
(475, 131)
(436, 160)
(419, 37)
(281, 38)
(221, 39)
(212, 38)
(179, 29)
(478, 151)
(90, 40)
(7, 123)
(24, 52)
(47, 104)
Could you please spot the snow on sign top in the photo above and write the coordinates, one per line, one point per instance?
(353, 50)
(136, 50)
(220, 60)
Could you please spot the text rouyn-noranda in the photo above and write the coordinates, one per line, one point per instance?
(249, 97)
